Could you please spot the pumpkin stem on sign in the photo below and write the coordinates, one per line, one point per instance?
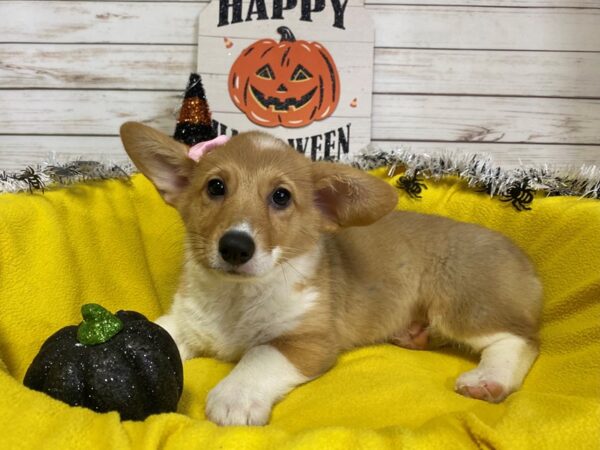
(286, 34)
(98, 326)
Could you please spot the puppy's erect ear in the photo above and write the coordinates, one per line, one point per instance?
(162, 159)
(350, 197)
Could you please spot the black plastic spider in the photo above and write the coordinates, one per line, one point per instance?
(412, 185)
(519, 194)
(32, 179)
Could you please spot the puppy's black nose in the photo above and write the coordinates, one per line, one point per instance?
(236, 247)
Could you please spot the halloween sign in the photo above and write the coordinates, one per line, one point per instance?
(299, 69)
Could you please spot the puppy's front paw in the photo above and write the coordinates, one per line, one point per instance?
(232, 404)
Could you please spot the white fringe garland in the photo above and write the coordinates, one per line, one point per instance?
(55, 173)
(479, 172)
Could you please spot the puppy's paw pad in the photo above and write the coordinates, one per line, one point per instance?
(233, 405)
(482, 386)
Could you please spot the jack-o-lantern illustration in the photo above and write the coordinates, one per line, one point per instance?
(289, 83)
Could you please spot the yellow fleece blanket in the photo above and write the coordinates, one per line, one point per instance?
(116, 243)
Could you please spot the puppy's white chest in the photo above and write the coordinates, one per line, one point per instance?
(257, 315)
(224, 320)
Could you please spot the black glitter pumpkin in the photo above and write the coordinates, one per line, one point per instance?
(109, 362)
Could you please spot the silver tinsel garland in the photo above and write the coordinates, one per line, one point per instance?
(479, 172)
(53, 173)
(482, 173)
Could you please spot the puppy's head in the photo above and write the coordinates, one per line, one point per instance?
(254, 203)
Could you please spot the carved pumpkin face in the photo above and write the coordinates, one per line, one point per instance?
(289, 83)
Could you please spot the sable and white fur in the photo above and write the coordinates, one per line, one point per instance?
(335, 269)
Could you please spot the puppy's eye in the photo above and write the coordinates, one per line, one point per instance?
(215, 187)
(281, 198)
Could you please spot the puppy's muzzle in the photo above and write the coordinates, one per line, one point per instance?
(236, 247)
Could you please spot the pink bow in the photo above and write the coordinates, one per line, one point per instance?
(201, 148)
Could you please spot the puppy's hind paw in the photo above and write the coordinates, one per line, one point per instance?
(480, 385)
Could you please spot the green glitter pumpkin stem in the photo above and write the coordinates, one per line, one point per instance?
(98, 326)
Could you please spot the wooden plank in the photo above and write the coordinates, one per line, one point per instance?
(103, 66)
(103, 21)
(84, 112)
(102, 113)
(487, 28)
(89, 112)
(494, 3)
(491, 119)
(399, 26)
(17, 152)
(133, 22)
(480, 72)
(165, 67)
(350, 2)
(395, 117)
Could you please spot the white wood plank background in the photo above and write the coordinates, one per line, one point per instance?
(515, 78)
(572, 29)
(397, 71)
(395, 117)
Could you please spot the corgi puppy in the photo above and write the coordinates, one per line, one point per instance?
(289, 262)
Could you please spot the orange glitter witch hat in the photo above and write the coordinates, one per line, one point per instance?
(194, 124)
